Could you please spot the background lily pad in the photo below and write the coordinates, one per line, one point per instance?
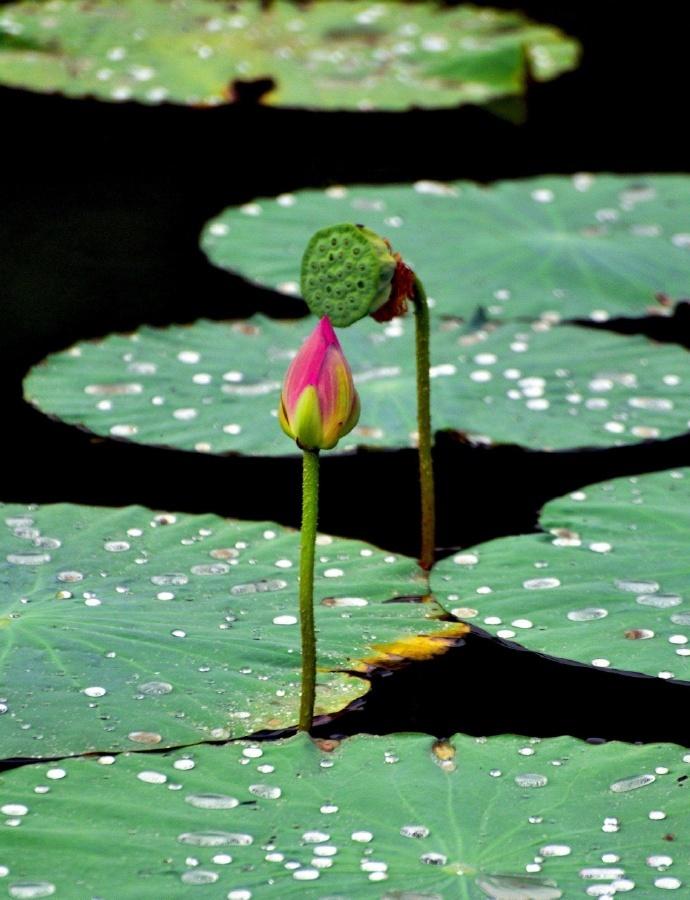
(504, 819)
(329, 55)
(214, 387)
(126, 628)
(606, 583)
(587, 246)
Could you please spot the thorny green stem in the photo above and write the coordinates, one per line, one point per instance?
(426, 468)
(310, 513)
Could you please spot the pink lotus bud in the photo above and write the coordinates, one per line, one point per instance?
(319, 403)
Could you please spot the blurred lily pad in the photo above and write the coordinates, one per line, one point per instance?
(214, 387)
(581, 247)
(331, 55)
(381, 818)
(127, 628)
(605, 583)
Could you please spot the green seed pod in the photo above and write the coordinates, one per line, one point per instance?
(347, 273)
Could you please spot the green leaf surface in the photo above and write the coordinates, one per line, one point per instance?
(215, 387)
(126, 628)
(580, 247)
(330, 55)
(607, 582)
(379, 817)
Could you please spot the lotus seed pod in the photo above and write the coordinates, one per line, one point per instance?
(347, 273)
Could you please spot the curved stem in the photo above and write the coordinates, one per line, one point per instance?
(310, 512)
(426, 468)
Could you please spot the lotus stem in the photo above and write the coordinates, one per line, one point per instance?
(426, 467)
(310, 512)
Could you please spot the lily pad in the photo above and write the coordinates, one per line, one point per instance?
(330, 55)
(214, 387)
(606, 583)
(501, 818)
(126, 628)
(581, 247)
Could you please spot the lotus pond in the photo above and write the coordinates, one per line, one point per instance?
(502, 655)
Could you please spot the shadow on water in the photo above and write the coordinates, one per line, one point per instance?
(482, 492)
(485, 686)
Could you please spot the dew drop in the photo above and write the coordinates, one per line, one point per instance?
(28, 559)
(414, 831)
(306, 874)
(199, 876)
(639, 634)
(531, 780)
(434, 859)
(659, 601)
(541, 583)
(637, 587)
(123, 430)
(656, 861)
(344, 601)
(95, 691)
(70, 576)
(315, 837)
(265, 791)
(466, 559)
(215, 839)
(14, 809)
(600, 874)
(211, 801)
(150, 777)
(218, 568)
(155, 688)
(116, 546)
(632, 783)
(170, 578)
(587, 614)
(31, 890)
(555, 850)
(145, 737)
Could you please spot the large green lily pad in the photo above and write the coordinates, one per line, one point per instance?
(329, 55)
(586, 246)
(607, 582)
(383, 818)
(215, 387)
(126, 628)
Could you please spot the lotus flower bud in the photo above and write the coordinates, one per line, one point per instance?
(348, 272)
(319, 403)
